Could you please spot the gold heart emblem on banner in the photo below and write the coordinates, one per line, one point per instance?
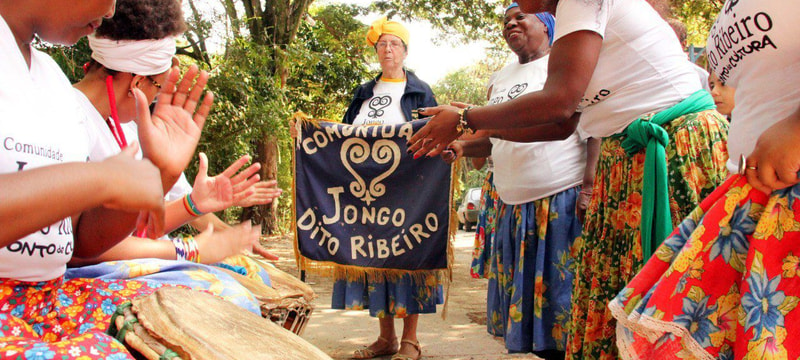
(357, 151)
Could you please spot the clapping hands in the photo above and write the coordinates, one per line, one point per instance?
(170, 135)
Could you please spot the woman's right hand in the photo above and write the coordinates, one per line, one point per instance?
(453, 151)
(775, 161)
(215, 246)
(440, 131)
(135, 186)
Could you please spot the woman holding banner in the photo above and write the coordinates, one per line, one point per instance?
(389, 99)
(663, 147)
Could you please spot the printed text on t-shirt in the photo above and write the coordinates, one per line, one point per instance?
(729, 46)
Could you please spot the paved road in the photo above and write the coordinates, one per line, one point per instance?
(461, 336)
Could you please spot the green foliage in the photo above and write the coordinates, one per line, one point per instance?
(69, 58)
(327, 61)
(459, 20)
(467, 84)
(474, 178)
(324, 65)
(698, 16)
(248, 106)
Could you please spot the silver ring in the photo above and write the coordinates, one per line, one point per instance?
(742, 165)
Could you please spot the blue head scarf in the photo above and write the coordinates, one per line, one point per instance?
(548, 20)
(545, 17)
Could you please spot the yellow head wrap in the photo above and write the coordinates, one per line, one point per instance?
(384, 26)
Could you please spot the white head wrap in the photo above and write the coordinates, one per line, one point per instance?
(141, 57)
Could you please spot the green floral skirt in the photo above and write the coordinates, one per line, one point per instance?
(610, 252)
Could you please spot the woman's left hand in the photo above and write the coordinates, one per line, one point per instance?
(440, 131)
(260, 193)
(169, 136)
(775, 161)
(584, 198)
(220, 192)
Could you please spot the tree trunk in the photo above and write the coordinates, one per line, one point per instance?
(274, 24)
(265, 215)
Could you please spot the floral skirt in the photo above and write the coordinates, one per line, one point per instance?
(388, 296)
(484, 231)
(726, 284)
(531, 271)
(61, 319)
(192, 275)
(610, 252)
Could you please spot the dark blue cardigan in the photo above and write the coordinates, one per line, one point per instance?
(417, 94)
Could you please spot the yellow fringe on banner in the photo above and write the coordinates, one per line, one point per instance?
(337, 271)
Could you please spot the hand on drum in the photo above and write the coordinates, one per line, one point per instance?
(169, 136)
(440, 131)
(775, 161)
(260, 250)
(214, 246)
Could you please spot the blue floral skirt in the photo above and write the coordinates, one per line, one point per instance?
(531, 271)
(387, 296)
(484, 231)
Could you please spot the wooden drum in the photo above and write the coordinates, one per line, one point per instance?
(289, 302)
(178, 323)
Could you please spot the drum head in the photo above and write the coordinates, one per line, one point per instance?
(198, 325)
(286, 284)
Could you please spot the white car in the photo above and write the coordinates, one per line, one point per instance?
(469, 209)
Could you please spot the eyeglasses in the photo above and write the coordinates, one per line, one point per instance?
(385, 44)
(155, 83)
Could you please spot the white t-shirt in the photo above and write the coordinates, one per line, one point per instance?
(754, 47)
(101, 141)
(641, 68)
(383, 108)
(104, 145)
(524, 172)
(702, 74)
(40, 124)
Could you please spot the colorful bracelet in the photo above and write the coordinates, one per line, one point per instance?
(191, 207)
(180, 251)
(186, 249)
(192, 252)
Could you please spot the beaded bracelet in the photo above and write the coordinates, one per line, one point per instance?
(186, 249)
(191, 207)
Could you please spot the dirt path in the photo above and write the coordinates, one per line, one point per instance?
(461, 336)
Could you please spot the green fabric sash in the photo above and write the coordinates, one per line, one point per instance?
(656, 222)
